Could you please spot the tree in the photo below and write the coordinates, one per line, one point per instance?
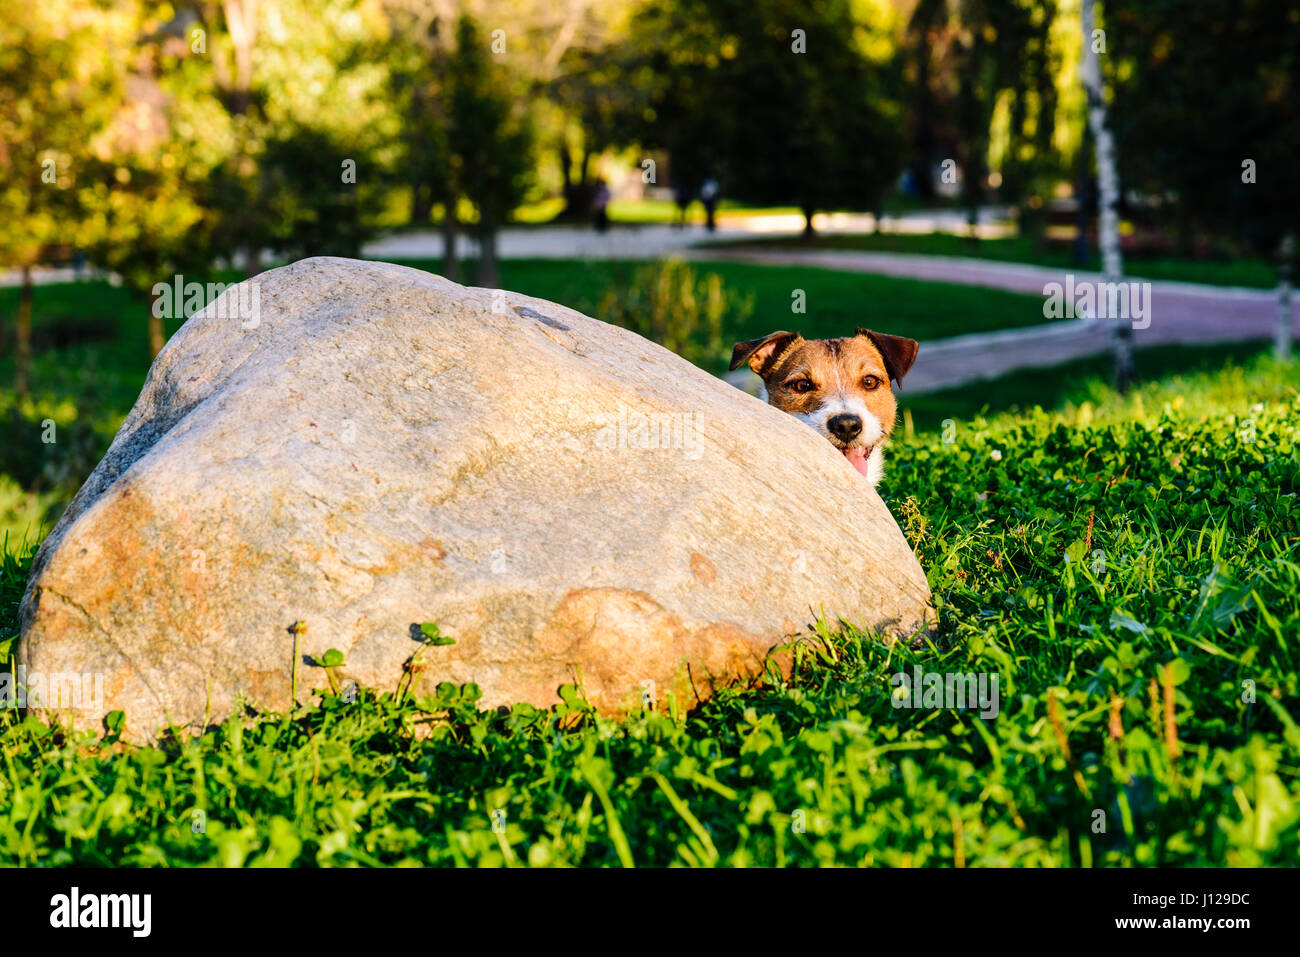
(1209, 130)
(982, 80)
(423, 46)
(144, 221)
(1112, 260)
(142, 192)
(313, 131)
(597, 86)
(59, 93)
(674, 56)
(490, 142)
(776, 99)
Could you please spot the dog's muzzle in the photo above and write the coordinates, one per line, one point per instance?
(846, 427)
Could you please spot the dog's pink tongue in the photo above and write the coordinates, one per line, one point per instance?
(858, 459)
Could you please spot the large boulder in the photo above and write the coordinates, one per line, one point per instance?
(376, 447)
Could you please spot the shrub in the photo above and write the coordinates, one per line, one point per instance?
(685, 312)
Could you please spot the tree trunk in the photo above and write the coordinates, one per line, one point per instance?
(1282, 332)
(567, 172)
(1083, 199)
(252, 260)
(923, 170)
(22, 371)
(421, 204)
(157, 335)
(489, 272)
(577, 191)
(1112, 260)
(809, 234)
(241, 24)
(450, 257)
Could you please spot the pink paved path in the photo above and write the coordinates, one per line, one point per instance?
(1180, 313)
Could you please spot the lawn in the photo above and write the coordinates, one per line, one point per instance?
(836, 303)
(1241, 271)
(1126, 567)
(1065, 387)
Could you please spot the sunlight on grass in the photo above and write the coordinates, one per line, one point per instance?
(1127, 567)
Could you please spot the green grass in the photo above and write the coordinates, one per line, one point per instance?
(1126, 567)
(836, 302)
(1066, 387)
(1242, 271)
(84, 382)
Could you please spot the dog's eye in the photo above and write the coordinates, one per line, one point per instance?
(870, 382)
(802, 385)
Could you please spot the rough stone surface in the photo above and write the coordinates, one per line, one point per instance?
(385, 447)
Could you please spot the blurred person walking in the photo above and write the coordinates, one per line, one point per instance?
(709, 197)
(600, 206)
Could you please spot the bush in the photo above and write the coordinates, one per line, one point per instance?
(669, 303)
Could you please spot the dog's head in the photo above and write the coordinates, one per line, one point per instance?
(840, 387)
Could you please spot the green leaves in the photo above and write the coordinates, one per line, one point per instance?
(114, 722)
(1120, 620)
(433, 636)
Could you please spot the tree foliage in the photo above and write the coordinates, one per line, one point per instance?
(774, 98)
(1204, 86)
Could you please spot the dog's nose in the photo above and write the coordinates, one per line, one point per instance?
(845, 427)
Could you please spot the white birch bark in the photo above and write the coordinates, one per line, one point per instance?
(1112, 259)
(1282, 331)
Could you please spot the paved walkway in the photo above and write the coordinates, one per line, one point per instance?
(1183, 313)
(654, 240)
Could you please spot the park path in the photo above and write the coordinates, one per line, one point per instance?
(654, 240)
(1180, 313)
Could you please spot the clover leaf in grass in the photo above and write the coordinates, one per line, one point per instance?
(114, 722)
(433, 636)
(1120, 620)
(1179, 670)
(332, 659)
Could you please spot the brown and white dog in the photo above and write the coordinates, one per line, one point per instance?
(840, 387)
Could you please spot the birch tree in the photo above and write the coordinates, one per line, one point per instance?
(1282, 329)
(1112, 259)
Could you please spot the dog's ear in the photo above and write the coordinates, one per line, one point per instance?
(898, 353)
(761, 353)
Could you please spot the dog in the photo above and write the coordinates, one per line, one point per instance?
(839, 387)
